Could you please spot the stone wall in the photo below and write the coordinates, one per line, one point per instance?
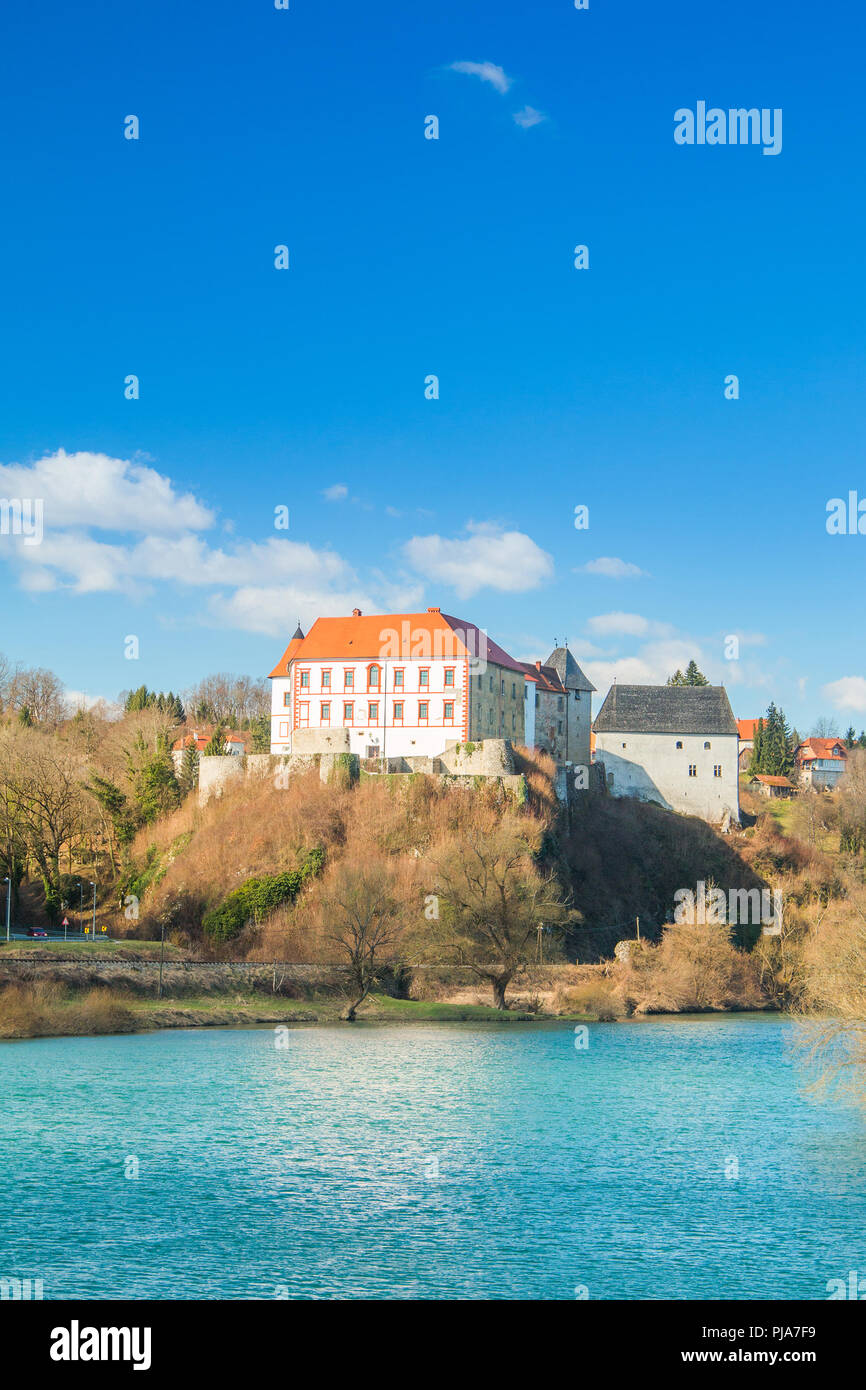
(488, 758)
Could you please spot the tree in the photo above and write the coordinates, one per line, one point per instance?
(773, 748)
(825, 728)
(362, 910)
(142, 698)
(216, 746)
(188, 777)
(492, 900)
(850, 737)
(693, 676)
(261, 727)
(151, 774)
(234, 701)
(39, 692)
(42, 782)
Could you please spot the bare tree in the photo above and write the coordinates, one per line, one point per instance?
(362, 912)
(491, 901)
(39, 692)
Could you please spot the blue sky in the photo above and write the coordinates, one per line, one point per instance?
(453, 257)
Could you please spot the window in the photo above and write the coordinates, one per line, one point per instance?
(373, 673)
(479, 682)
(679, 743)
(624, 745)
(398, 679)
(348, 713)
(502, 718)
(305, 680)
(326, 680)
(559, 702)
(303, 714)
(693, 769)
(560, 726)
(717, 770)
(287, 698)
(514, 690)
(513, 722)
(491, 682)
(424, 677)
(449, 675)
(502, 687)
(348, 680)
(326, 713)
(707, 745)
(373, 713)
(398, 712)
(490, 717)
(284, 728)
(449, 709)
(422, 711)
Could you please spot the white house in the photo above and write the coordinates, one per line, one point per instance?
(394, 685)
(674, 744)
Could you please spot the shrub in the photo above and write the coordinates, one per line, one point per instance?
(257, 897)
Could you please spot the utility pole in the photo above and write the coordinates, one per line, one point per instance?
(8, 881)
(540, 951)
(93, 932)
(637, 924)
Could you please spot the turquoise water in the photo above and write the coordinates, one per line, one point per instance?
(428, 1161)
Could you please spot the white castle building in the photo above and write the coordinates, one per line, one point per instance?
(674, 744)
(395, 685)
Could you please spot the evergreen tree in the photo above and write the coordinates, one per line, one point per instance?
(693, 676)
(188, 777)
(261, 727)
(850, 737)
(216, 746)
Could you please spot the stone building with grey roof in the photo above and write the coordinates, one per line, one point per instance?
(558, 708)
(674, 744)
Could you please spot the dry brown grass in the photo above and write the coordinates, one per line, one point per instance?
(45, 1009)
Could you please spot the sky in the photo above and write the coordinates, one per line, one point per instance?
(263, 389)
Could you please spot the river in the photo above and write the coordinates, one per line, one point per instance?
(673, 1158)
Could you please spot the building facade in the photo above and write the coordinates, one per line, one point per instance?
(676, 745)
(559, 703)
(399, 684)
(821, 762)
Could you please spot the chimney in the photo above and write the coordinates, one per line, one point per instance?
(434, 610)
(538, 665)
(356, 612)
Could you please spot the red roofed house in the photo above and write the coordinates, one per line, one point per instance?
(769, 785)
(236, 744)
(821, 761)
(394, 685)
(746, 730)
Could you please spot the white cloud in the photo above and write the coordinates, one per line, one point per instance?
(611, 567)
(627, 625)
(528, 117)
(108, 494)
(336, 492)
(489, 557)
(488, 72)
(849, 692)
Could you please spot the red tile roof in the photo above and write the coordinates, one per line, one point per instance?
(394, 636)
(812, 748)
(545, 677)
(746, 730)
(769, 781)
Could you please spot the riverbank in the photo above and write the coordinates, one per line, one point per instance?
(44, 1009)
